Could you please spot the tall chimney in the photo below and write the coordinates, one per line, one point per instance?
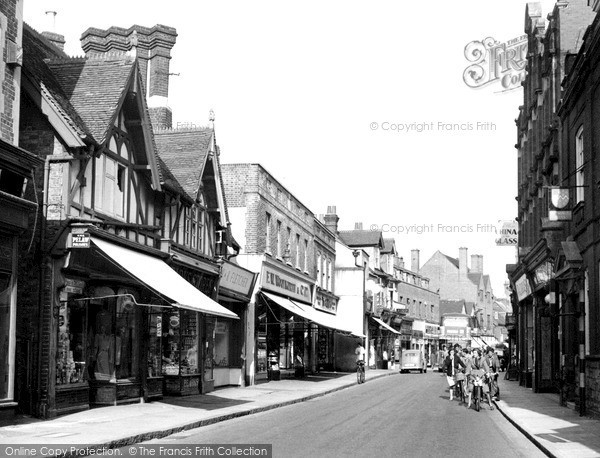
(401, 262)
(414, 260)
(477, 263)
(331, 219)
(462, 262)
(358, 226)
(152, 47)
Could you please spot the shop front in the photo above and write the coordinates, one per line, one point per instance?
(235, 291)
(291, 335)
(16, 167)
(126, 327)
(525, 348)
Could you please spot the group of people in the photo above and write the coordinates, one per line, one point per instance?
(461, 364)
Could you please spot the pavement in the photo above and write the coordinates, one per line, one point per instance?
(558, 431)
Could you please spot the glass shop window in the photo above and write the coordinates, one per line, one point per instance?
(5, 299)
(180, 344)
(209, 344)
(222, 344)
(126, 358)
(71, 361)
(155, 328)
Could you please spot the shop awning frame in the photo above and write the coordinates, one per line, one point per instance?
(308, 313)
(159, 277)
(384, 325)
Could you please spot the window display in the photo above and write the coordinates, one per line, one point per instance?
(222, 344)
(180, 334)
(210, 348)
(155, 344)
(70, 361)
(5, 299)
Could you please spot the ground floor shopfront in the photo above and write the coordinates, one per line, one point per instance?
(291, 334)
(16, 168)
(126, 327)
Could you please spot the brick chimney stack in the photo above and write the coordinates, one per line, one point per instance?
(463, 269)
(414, 261)
(152, 47)
(331, 219)
(358, 226)
(477, 263)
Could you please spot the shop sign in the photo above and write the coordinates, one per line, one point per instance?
(80, 240)
(326, 305)
(523, 288)
(406, 328)
(417, 334)
(236, 279)
(286, 285)
(509, 234)
(543, 273)
(74, 286)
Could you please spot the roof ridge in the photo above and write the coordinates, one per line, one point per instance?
(165, 130)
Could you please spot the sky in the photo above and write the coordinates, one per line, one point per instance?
(361, 105)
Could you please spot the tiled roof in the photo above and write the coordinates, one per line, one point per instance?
(36, 51)
(95, 88)
(474, 277)
(388, 246)
(447, 306)
(184, 152)
(360, 238)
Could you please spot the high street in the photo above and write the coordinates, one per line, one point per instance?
(403, 415)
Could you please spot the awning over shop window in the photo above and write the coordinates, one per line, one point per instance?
(162, 279)
(384, 326)
(308, 313)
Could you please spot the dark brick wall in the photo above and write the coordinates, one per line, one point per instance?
(9, 9)
(250, 186)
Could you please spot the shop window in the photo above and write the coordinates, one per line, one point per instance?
(5, 307)
(180, 334)
(113, 335)
(155, 327)
(71, 361)
(221, 344)
(209, 348)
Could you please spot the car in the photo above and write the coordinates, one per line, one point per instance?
(413, 360)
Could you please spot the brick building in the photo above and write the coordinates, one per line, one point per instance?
(454, 280)
(17, 204)
(292, 252)
(550, 286)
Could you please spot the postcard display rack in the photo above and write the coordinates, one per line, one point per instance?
(180, 359)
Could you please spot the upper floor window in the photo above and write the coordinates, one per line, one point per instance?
(268, 234)
(279, 240)
(298, 251)
(328, 275)
(305, 255)
(110, 185)
(194, 227)
(579, 166)
(319, 280)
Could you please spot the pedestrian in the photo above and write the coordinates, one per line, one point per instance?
(453, 363)
(493, 365)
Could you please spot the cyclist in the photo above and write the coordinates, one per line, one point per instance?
(483, 365)
(360, 357)
(492, 361)
(453, 363)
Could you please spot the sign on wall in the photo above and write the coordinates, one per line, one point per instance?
(285, 284)
(236, 279)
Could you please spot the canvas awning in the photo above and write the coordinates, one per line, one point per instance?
(385, 326)
(162, 279)
(308, 313)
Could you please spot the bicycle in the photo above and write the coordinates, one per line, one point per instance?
(478, 381)
(360, 372)
(459, 387)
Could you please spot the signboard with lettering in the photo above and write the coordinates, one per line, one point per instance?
(236, 279)
(285, 284)
(80, 240)
(326, 304)
(509, 234)
(523, 287)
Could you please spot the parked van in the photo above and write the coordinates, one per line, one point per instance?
(413, 360)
